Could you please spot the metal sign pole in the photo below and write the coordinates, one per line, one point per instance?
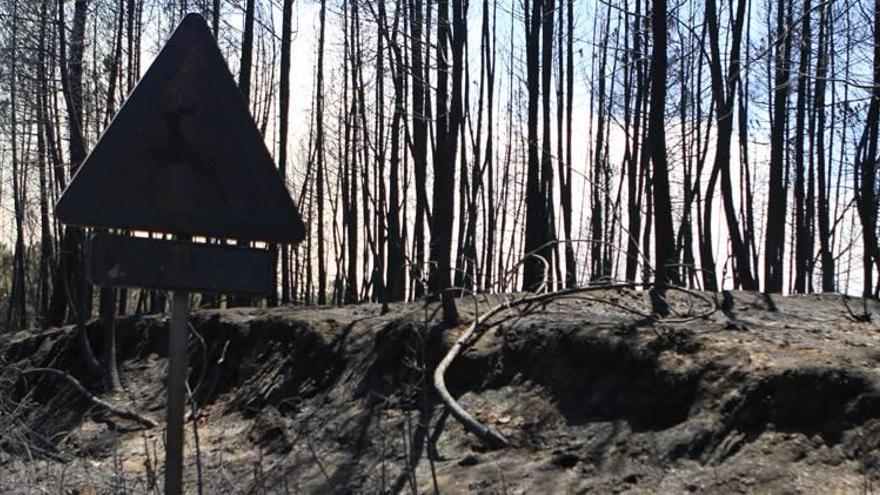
(176, 393)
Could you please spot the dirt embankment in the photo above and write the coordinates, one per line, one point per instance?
(592, 398)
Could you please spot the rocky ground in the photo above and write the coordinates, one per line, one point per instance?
(761, 395)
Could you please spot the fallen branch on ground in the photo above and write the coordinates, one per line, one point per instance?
(489, 436)
(118, 411)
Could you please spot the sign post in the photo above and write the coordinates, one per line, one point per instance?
(183, 157)
(176, 392)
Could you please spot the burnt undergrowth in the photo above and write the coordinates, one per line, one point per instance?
(296, 375)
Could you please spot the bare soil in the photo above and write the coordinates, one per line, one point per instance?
(767, 396)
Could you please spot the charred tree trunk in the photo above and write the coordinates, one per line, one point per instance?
(420, 146)
(395, 274)
(776, 201)
(283, 126)
(868, 171)
(724, 92)
(70, 287)
(549, 251)
(634, 166)
(665, 271)
(319, 151)
(536, 215)
(565, 174)
(802, 234)
(448, 121)
(825, 246)
(47, 248)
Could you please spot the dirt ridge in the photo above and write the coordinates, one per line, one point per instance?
(591, 397)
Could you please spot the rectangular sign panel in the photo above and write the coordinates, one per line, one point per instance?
(124, 261)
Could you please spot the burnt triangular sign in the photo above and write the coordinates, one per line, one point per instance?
(183, 156)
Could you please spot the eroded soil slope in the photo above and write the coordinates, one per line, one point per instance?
(777, 396)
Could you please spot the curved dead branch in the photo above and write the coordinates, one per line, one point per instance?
(486, 434)
(489, 436)
(118, 411)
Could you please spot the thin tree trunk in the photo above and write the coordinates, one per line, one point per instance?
(490, 216)
(724, 93)
(565, 173)
(634, 178)
(215, 18)
(598, 197)
(549, 251)
(16, 316)
(776, 201)
(825, 246)
(868, 168)
(395, 273)
(536, 215)
(44, 127)
(801, 229)
(664, 243)
(448, 119)
(420, 147)
(283, 125)
(319, 150)
(71, 288)
(351, 294)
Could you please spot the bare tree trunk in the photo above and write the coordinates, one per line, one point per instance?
(566, 168)
(536, 215)
(550, 251)
(215, 18)
(468, 272)
(16, 315)
(351, 293)
(867, 177)
(448, 122)
(802, 234)
(598, 197)
(395, 273)
(319, 150)
(47, 248)
(724, 93)
(825, 247)
(244, 85)
(71, 290)
(377, 276)
(420, 145)
(634, 214)
(664, 243)
(247, 51)
(776, 202)
(747, 193)
(108, 297)
(70, 286)
(283, 127)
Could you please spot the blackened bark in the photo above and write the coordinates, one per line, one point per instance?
(665, 272)
(724, 93)
(776, 201)
(395, 273)
(549, 251)
(420, 145)
(448, 120)
(283, 126)
(536, 215)
(802, 234)
(825, 247)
